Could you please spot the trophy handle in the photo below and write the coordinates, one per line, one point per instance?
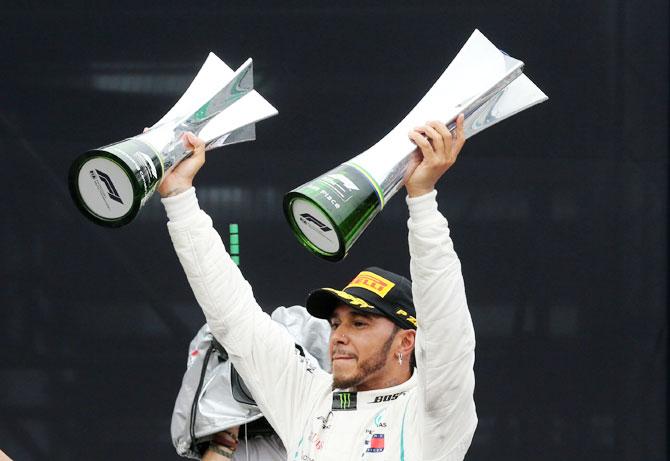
(240, 84)
(246, 133)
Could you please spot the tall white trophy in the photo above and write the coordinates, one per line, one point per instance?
(329, 213)
(111, 183)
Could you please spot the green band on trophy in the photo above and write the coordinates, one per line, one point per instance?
(374, 184)
(329, 213)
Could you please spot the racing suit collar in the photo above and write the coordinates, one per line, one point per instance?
(352, 400)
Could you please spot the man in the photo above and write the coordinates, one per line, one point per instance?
(381, 408)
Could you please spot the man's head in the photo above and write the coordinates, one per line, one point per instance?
(372, 329)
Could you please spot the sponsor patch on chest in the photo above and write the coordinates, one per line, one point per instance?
(387, 398)
(375, 443)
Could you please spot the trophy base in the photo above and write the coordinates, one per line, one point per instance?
(109, 185)
(313, 227)
(328, 214)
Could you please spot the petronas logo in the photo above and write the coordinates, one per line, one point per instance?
(345, 400)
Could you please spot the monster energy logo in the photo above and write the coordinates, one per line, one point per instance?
(344, 401)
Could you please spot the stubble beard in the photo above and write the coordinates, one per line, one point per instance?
(365, 368)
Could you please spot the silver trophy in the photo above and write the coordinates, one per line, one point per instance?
(329, 213)
(110, 184)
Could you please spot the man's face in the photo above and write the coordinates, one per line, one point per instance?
(360, 348)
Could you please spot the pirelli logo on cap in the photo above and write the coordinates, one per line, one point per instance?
(372, 282)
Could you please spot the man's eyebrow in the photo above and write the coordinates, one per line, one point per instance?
(353, 314)
(362, 314)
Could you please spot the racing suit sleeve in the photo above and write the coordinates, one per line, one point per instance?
(445, 340)
(262, 350)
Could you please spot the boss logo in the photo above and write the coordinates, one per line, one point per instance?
(387, 398)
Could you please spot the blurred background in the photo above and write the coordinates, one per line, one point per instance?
(559, 214)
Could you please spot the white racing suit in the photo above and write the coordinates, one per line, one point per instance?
(429, 417)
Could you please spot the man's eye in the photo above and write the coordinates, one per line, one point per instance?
(334, 325)
(360, 324)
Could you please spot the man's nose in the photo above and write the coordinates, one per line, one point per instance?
(340, 336)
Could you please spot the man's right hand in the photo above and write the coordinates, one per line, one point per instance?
(180, 178)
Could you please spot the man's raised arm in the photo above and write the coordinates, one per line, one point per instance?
(261, 350)
(445, 339)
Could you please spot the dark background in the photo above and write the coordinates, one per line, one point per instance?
(559, 214)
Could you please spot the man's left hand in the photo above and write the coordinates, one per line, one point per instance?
(438, 150)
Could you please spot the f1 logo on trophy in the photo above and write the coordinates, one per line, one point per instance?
(110, 184)
(329, 213)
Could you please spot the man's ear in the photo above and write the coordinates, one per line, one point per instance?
(407, 341)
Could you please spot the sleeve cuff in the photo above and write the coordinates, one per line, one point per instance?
(181, 206)
(422, 207)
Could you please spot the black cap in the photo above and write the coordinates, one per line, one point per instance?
(373, 291)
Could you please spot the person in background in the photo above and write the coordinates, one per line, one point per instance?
(215, 418)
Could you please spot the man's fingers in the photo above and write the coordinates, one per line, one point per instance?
(194, 143)
(197, 148)
(440, 149)
(441, 128)
(192, 139)
(435, 139)
(421, 141)
(445, 135)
